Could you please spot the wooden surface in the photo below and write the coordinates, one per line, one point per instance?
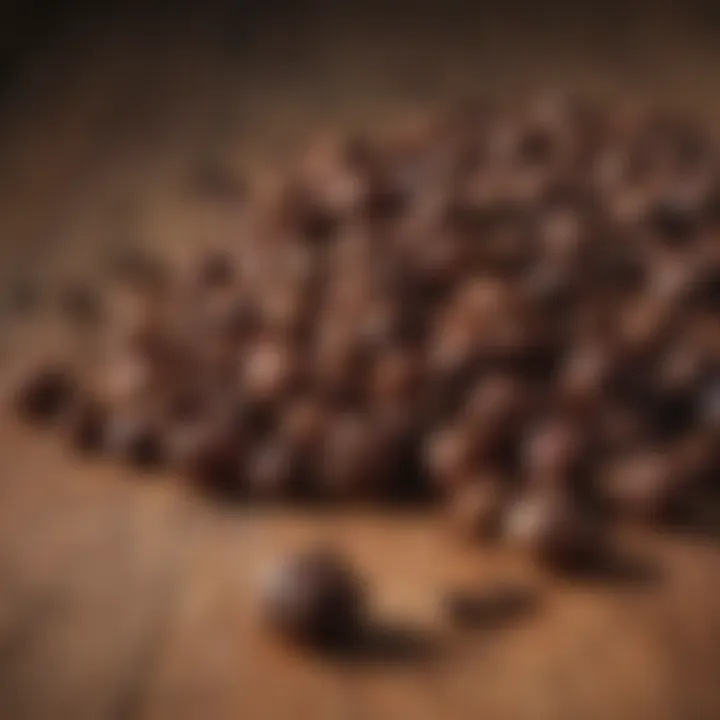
(122, 597)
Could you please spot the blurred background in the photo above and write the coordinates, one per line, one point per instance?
(121, 600)
(95, 97)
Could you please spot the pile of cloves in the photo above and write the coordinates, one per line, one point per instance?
(516, 312)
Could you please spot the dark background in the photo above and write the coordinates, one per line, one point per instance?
(86, 88)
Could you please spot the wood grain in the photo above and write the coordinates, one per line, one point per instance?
(122, 598)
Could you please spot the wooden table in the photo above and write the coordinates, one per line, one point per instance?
(123, 597)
